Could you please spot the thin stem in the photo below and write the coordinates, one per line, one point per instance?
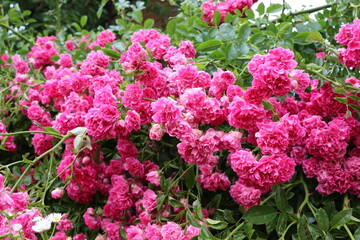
(37, 159)
(346, 201)
(47, 187)
(16, 33)
(178, 179)
(287, 229)
(355, 219)
(234, 231)
(323, 77)
(349, 232)
(26, 132)
(273, 194)
(306, 195)
(311, 10)
(11, 164)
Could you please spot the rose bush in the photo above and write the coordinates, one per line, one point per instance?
(224, 126)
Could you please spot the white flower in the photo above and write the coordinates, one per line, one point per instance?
(42, 225)
(54, 217)
(36, 219)
(17, 227)
(78, 131)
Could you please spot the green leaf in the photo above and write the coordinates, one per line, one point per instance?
(55, 58)
(341, 100)
(26, 13)
(244, 32)
(261, 8)
(228, 18)
(322, 219)
(197, 207)
(274, 8)
(191, 219)
(268, 106)
(355, 98)
(122, 233)
(171, 27)
(217, 18)
(216, 224)
(281, 224)
(341, 218)
(111, 53)
(312, 66)
(243, 49)
(137, 16)
(27, 180)
(159, 201)
(208, 45)
(329, 236)
(355, 107)
(250, 14)
(102, 5)
(228, 215)
(303, 230)
(149, 23)
(314, 37)
(231, 51)
(83, 20)
(51, 130)
(226, 31)
(280, 197)
(205, 234)
(315, 231)
(217, 54)
(175, 203)
(190, 178)
(357, 234)
(270, 226)
(301, 37)
(16, 171)
(260, 214)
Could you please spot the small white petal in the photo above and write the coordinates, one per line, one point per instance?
(78, 131)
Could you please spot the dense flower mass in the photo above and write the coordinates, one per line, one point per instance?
(117, 118)
(349, 36)
(228, 6)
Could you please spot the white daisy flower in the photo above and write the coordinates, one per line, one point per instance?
(42, 225)
(38, 218)
(54, 217)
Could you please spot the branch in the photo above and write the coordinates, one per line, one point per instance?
(16, 33)
(311, 10)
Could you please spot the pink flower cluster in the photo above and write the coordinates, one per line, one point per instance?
(87, 94)
(349, 36)
(8, 141)
(209, 116)
(16, 206)
(229, 6)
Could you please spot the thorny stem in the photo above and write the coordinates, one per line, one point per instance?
(37, 159)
